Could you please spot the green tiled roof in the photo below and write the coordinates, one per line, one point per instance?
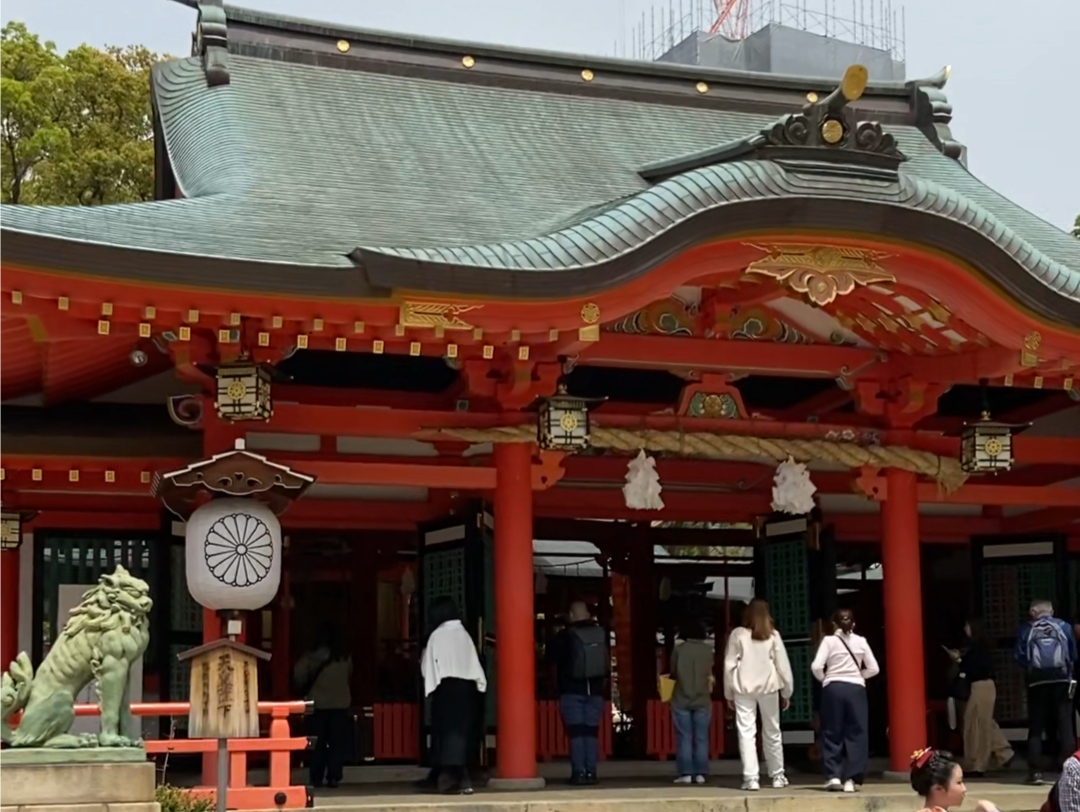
(301, 164)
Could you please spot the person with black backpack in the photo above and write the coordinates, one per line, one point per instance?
(580, 656)
(1046, 650)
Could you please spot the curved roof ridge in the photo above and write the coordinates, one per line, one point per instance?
(640, 219)
(205, 160)
(301, 25)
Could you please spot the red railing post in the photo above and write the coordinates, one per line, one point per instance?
(280, 763)
(280, 794)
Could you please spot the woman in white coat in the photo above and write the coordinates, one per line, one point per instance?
(757, 676)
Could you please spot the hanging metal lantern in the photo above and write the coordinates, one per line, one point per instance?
(564, 422)
(243, 392)
(986, 446)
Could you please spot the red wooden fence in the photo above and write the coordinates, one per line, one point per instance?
(279, 743)
(551, 740)
(397, 732)
(660, 732)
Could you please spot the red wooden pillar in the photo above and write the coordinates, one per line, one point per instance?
(900, 560)
(516, 653)
(9, 607)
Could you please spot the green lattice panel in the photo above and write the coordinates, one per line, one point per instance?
(1000, 601)
(1011, 694)
(1034, 581)
(1009, 589)
(444, 574)
(788, 588)
(801, 711)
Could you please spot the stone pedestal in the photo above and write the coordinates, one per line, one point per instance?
(97, 780)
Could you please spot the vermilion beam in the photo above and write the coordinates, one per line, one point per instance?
(1039, 474)
(679, 506)
(820, 404)
(456, 477)
(977, 494)
(1037, 521)
(803, 360)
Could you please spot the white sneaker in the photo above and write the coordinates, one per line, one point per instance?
(779, 781)
(849, 786)
(833, 785)
(751, 784)
(699, 779)
(684, 779)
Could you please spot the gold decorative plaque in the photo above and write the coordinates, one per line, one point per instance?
(822, 272)
(435, 314)
(1029, 355)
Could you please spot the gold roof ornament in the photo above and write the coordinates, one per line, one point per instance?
(822, 272)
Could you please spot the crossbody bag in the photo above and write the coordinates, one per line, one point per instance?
(855, 660)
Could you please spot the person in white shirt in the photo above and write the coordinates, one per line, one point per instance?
(757, 675)
(453, 678)
(322, 676)
(843, 664)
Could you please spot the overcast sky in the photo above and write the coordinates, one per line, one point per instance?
(1016, 65)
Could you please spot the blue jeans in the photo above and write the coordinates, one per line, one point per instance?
(581, 719)
(692, 739)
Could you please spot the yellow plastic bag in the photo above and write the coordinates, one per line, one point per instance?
(666, 686)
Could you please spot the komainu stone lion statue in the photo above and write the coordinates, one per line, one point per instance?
(104, 635)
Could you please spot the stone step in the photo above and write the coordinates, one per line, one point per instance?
(877, 797)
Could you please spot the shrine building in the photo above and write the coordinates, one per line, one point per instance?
(459, 287)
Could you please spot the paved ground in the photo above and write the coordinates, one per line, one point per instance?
(629, 796)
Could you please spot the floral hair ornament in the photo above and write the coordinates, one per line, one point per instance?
(920, 757)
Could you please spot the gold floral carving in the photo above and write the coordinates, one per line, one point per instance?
(1029, 355)
(435, 314)
(590, 313)
(822, 272)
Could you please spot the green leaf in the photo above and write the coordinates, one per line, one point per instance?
(77, 129)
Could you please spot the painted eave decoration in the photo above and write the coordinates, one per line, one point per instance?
(236, 473)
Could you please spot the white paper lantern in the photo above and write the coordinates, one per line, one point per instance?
(233, 551)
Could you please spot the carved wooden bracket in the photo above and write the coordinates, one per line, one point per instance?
(549, 471)
(712, 397)
(232, 473)
(902, 404)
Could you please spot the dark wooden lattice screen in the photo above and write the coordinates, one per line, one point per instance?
(79, 559)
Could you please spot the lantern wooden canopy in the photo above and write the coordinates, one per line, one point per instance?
(224, 690)
(233, 473)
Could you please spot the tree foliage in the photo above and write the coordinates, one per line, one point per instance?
(1076, 227)
(76, 128)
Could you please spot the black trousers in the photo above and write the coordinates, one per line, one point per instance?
(331, 729)
(454, 709)
(845, 731)
(1049, 708)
